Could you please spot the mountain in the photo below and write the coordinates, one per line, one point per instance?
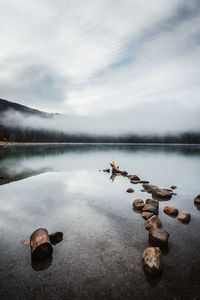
(8, 105)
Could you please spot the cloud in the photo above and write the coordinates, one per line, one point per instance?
(96, 58)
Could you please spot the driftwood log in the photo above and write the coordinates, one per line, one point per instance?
(41, 247)
(116, 170)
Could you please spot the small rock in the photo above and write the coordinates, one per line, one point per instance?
(133, 177)
(143, 190)
(106, 170)
(158, 237)
(184, 217)
(173, 187)
(147, 215)
(170, 210)
(150, 208)
(138, 204)
(56, 237)
(197, 199)
(153, 222)
(139, 181)
(130, 190)
(152, 260)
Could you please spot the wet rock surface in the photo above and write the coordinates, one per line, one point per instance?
(184, 217)
(158, 237)
(130, 190)
(138, 181)
(150, 208)
(133, 177)
(170, 210)
(138, 204)
(147, 215)
(152, 260)
(153, 202)
(153, 222)
(56, 237)
(158, 192)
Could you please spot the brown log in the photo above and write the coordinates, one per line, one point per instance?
(41, 247)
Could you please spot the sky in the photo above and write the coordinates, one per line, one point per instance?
(109, 65)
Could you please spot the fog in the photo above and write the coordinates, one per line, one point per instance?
(154, 119)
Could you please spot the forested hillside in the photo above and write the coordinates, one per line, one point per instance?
(22, 135)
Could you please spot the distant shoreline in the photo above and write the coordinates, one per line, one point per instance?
(95, 143)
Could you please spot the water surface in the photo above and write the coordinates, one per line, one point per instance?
(60, 187)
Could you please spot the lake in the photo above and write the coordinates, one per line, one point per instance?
(60, 187)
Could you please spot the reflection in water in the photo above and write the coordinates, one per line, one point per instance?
(197, 206)
(153, 280)
(42, 265)
(7, 178)
(107, 242)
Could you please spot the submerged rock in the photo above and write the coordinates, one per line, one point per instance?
(197, 199)
(153, 222)
(130, 190)
(184, 217)
(170, 210)
(150, 208)
(158, 192)
(147, 215)
(158, 237)
(152, 260)
(138, 204)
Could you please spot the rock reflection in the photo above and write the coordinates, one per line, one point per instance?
(197, 206)
(152, 280)
(42, 265)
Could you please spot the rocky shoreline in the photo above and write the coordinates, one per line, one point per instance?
(158, 238)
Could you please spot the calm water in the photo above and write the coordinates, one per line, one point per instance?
(60, 187)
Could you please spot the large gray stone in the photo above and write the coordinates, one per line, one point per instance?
(158, 237)
(158, 192)
(147, 215)
(153, 222)
(152, 260)
(150, 208)
(153, 202)
(138, 204)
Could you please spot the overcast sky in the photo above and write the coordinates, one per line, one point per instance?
(135, 62)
